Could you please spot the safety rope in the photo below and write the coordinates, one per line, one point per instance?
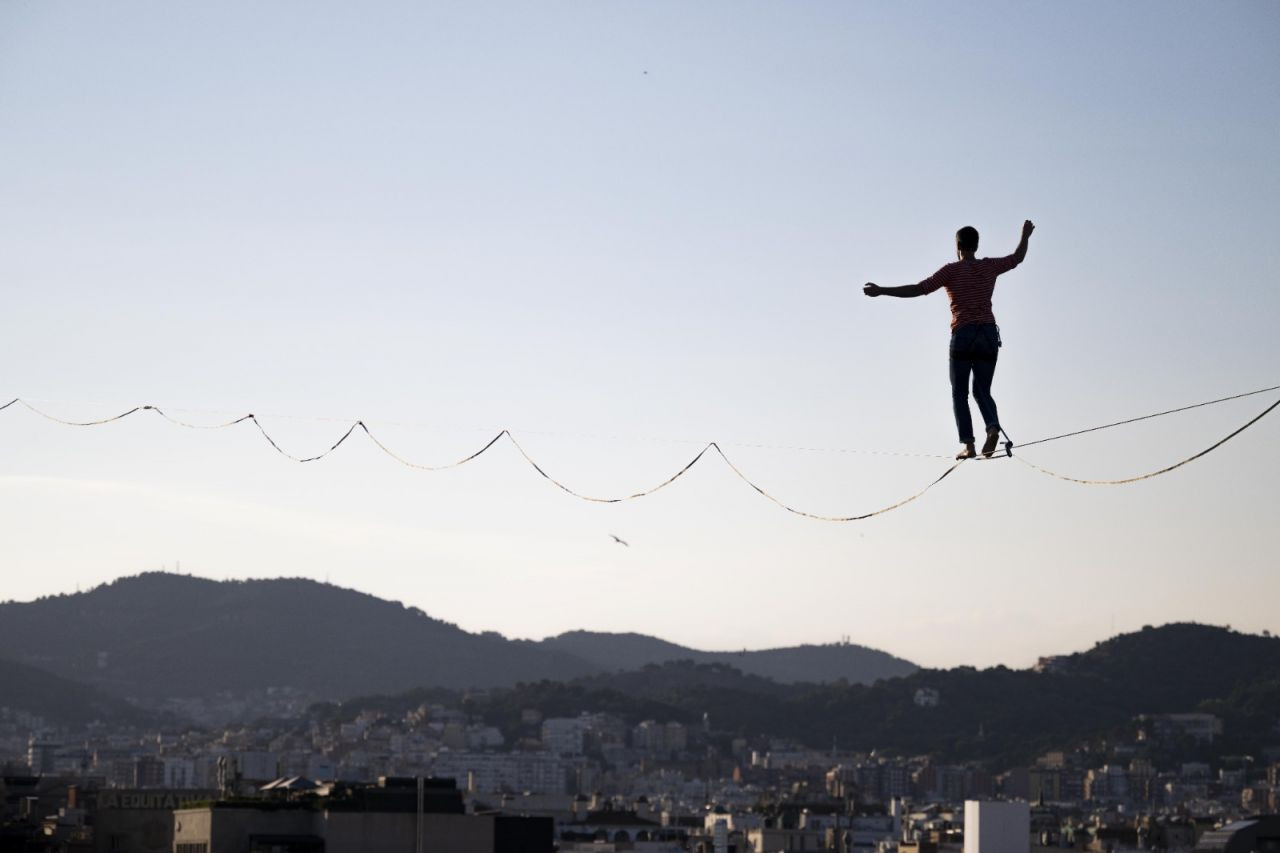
(1008, 452)
(56, 420)
(408, 464)
(1164, 470)
(676, 476)
(182, 423)
(816, 517)
(289, 455)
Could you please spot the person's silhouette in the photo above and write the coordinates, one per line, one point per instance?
(975, 337)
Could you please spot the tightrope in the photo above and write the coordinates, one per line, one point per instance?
(1153, 415)
(710, 446)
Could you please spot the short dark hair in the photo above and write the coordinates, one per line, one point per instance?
(967, 239)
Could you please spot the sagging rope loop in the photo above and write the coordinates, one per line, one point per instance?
(711, 446)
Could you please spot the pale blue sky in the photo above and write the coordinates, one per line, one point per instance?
(646, 220)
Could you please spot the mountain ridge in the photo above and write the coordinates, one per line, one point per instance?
(159, 635)
(809, 662)
(997, 715)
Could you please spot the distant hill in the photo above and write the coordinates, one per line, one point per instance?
(1004, 712)
(161, 635)
(999, 716)
(58, 700)
(1175, 663)
(818, 664)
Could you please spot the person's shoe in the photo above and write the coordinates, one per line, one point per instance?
(967, 452)
(993, 438)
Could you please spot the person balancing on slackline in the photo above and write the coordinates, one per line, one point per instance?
(975, 337)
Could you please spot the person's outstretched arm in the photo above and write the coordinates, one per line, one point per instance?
(924, 288)
(906, 290)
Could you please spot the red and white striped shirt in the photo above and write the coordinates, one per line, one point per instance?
(969, 285)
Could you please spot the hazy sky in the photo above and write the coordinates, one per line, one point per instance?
(622, 230)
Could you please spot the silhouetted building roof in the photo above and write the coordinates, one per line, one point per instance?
(1255, 835)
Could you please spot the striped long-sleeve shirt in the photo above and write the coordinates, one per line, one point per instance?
(969, 285)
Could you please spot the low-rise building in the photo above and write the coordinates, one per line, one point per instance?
(397, 814)
(138, 820)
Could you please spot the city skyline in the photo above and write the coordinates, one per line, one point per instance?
(623, 231)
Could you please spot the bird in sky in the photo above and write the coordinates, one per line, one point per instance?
(619, 541)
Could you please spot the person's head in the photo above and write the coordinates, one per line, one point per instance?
(966, 241)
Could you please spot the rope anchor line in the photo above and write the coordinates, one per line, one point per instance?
(711, 446)
(1160, 471)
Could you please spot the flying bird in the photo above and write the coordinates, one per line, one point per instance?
(619, 541)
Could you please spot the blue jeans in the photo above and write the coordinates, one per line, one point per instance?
(974, 349)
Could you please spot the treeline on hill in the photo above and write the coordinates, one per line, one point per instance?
(999, 716)
(49, 696)
(160, 636)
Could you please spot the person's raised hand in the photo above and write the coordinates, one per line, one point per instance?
(1027, 228)
(871, 289)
